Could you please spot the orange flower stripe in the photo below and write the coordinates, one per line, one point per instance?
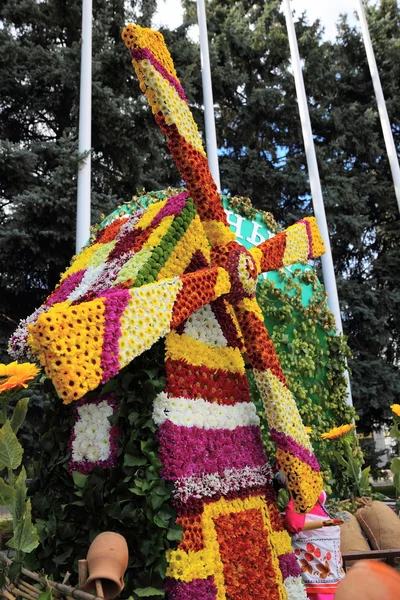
(198, 289)
(259, 346)
(299, 243)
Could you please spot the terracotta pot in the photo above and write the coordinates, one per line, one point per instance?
(369, 580)
(107, 561)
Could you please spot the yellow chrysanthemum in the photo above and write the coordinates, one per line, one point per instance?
(337, 432)
(309, 430)
(16, 375)
(396, 409)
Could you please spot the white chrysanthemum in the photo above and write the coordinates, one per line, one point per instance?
(295, 588)
(198, 412)
(204, 327)
(89, 279)
(92, 432)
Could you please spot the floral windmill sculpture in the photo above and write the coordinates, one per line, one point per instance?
(175, 270)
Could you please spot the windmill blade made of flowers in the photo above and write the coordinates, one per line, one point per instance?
(139, 277)
(83, 345)
(158, 80)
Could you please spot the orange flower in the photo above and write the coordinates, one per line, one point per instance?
(14, 376)
(396, 409)
(338, 432)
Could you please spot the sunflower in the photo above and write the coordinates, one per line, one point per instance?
(14, 376)
(396, 409)
(337, 432)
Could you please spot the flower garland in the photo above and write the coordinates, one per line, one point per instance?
(158, 80)
(93, 441)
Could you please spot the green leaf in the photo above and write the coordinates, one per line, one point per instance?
(20, 496)
(148, 591)
(160, 522)
(79, 479)
(46, 595)
(14, 570)
(340, 459)
(134, 460)
(364, 479)
(175, 533)
(7, 493)
(155, 500)
(25, 538)
(395, 466)
(10, 449)
(19, 414)
(395, 432)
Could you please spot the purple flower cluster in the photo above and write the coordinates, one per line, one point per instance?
(115, 304)
(187, 451)
(285, 442)
(173, 206)
(197, 589)
(289, 566)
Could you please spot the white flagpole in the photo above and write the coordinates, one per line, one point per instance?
(315, 183)
(209, 118)
(380, 100)
(85, 129)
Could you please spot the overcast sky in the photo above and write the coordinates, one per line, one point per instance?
(170, 12)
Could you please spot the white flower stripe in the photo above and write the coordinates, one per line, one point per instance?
(204, 327)
(92, 433)
(211, 484)
(198, 412)
(295, 588)
(88, 281)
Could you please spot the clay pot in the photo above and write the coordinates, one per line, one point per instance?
(107, 561)
(369, 580)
